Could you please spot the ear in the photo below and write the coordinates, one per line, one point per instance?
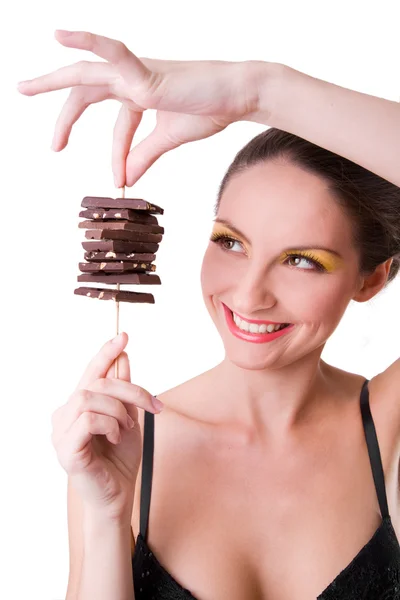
(372, 284)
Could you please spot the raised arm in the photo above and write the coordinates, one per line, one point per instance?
(360, 127)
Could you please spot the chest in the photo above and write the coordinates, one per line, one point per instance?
(236, 524)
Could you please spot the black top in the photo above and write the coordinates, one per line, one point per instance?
(373, 574)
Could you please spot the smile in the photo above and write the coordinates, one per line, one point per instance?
(256, 337)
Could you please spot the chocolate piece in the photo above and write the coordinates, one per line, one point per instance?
(121, 225)
(111, 256)
(116, 267)
(116, 234)
(135, 216)
(134, 203)
(130, 278)
(117, 295)
(119, 246)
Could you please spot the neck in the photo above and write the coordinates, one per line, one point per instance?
(272, 403)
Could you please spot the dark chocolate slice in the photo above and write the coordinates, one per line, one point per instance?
(134, 203)
(115, 267)
(121, 225)
(119, 246)
(130, 236)
(135, 216)
(111, 256)
(130, 278)
(117, 295)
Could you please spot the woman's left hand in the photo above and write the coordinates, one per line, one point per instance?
(194, 99)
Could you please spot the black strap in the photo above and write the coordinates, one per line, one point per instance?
(147, 472)
(373, 450)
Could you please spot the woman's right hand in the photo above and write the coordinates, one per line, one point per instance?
(95, 444)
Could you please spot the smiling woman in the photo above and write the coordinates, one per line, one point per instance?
(269, 479)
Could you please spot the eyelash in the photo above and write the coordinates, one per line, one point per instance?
(217, 238)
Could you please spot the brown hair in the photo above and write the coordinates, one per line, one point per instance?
(371, 202)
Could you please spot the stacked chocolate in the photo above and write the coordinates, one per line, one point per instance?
(122, 238)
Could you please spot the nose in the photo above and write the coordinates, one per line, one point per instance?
(253, 294)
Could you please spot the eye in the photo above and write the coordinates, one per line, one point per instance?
(220, 239)
(309, 258)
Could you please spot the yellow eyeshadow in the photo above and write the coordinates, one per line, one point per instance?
(224, 231)
(328, 260)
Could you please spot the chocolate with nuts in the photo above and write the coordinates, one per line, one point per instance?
(117, 295)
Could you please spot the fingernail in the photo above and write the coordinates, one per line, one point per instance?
(117, 338)
(131, 422)
(158, 405)
(64, 31)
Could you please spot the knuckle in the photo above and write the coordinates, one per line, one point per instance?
(101, 384)
(88, 418)
(82, 65)
(82, 397)
(122, 412)
(138, 393)
(121, 49)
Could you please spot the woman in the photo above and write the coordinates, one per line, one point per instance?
(269, 481)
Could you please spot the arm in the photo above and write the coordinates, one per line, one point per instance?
(362, 128)
(106, 567)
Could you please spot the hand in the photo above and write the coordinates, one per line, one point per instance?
(95, 444)
(194, 99)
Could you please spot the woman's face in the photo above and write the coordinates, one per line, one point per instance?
(280, 209)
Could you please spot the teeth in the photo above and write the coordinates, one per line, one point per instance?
(253, 327)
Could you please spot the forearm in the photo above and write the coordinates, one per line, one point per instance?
(362, 128)
(107, 568)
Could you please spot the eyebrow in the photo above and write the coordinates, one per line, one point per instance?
(308, 247)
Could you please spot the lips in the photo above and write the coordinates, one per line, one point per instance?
(256, 322)
(254, 338)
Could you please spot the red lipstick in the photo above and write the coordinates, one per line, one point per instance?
(256, 338)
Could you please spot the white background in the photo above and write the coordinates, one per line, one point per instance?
(48, 333)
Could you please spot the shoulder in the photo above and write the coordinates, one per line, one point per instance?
(391, 375)
(389, 386)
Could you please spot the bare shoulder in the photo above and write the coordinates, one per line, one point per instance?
(178, 411)
(385, 408)
(391, 379)
(385, 396)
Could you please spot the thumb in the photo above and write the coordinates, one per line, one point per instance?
(142, 156)
(124, 370)
(101, 363)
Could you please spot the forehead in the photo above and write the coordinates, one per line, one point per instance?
(292, 201)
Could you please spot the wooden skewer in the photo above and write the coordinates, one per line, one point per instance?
(122, 191)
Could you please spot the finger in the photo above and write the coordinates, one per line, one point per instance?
(124, 371)
(125, 128)
(73, 108)
(79, 99)
(82, 431)
(88, 401)
(115, 52)
(100, 364)
(81, 73)
(142, 156)
(126, 392)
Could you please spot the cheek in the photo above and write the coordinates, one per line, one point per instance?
(214, 274)
(325, 301)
